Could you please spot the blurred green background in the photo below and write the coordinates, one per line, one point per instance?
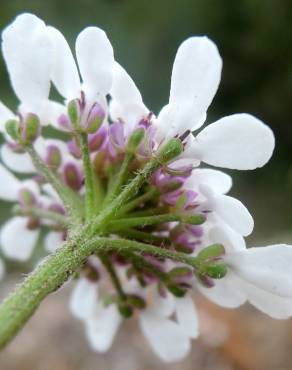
(254, 38)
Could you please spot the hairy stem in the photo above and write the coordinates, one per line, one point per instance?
(120, 179)
(90, 198)
(153, 220)
(113, 275)
(41, 213)
(139, 201)
(55, 270)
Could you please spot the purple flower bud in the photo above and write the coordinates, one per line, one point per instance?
(195, 230)
(53, 157)
(64, 122)
(30, 128)
(33, 223)
(74, 149)
(57, 208)
(95, 118)
(74, 113)
(116, 136)
(26, 198)
(95, 141)
(72, 176)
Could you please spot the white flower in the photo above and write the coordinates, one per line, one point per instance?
(16, 239)
(28, 55)
(126, 104)
(95, 61)
(101, 322)
(239, 141)
(170, 339)
(260, 275)
(212, 186)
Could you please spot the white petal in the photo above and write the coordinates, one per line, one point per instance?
(53, 241)
(187, 316)
(267, 302)
(28, 54)
(65, 73)
(225, 293)
(49, 112)
(18, 162)
(167, 339)
(218, 181)
(126, 103)
(5, 115)
(84, 298)
(239, 141)
(102, 327)
(9, 185)
(195, 79)
(16, 240)
(234, 213)
(226, 236)
(163, 306)
(123, 88)
(2, 269)
(95, 59)
(268, 268)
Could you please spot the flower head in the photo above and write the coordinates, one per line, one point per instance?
(130, 177)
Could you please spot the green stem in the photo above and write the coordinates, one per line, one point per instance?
(129, 192)
(139, 201)
(113, 275)
(90, 199)
(121, 178)
(149, 212)
(140, 262)
(41, 213)
(71, 201)
(153, 220)
(55, 270)
(143, 236)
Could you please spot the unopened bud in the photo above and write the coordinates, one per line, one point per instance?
(135, 139)
(91, 273)
(125, 310)
(53, 158)
(216, 271)
(172, 149)
(26, 198)
(72, 176)
(172, 185)
(74, 148)
(180, 271)
(176, 290)
(136, 301)
(12, 129)
(33, 223)
(30, 128)
(73, 110)
(211, 252)
(96, 140)
(94, 119)
(193, 219)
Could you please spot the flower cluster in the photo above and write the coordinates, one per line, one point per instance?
(178, 230)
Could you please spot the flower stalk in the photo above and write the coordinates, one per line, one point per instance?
(55, 271)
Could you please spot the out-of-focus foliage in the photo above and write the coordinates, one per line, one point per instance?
(254, 38)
